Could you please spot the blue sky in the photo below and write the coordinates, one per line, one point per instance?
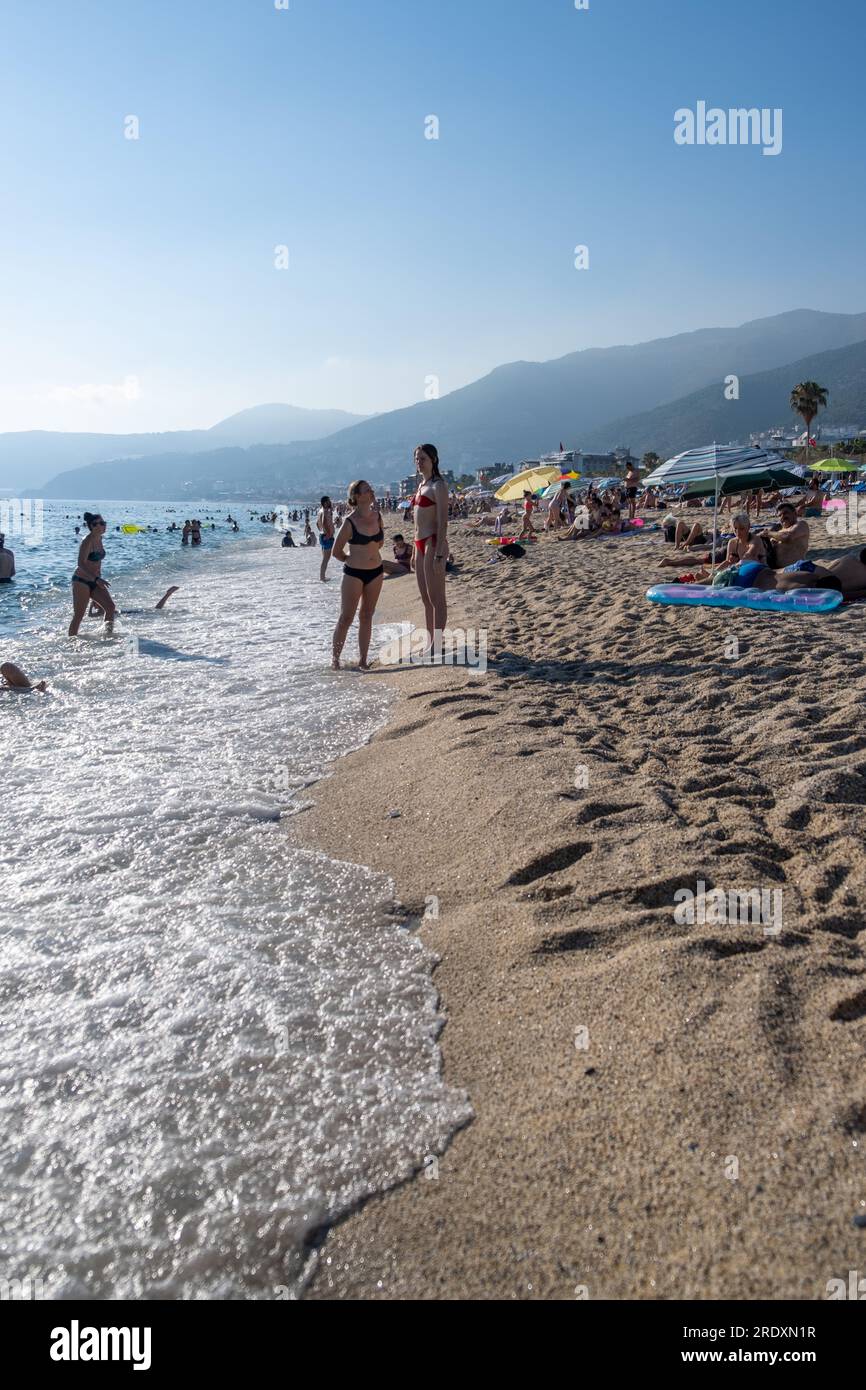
(137, 279)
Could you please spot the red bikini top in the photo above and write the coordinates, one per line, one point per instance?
(419, 500)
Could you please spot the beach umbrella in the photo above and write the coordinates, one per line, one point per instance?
(831, 466)
(711, 464)
(527, 481)
(747, 481)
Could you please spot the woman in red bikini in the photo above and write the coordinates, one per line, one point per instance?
(358, 543)
(431, 538)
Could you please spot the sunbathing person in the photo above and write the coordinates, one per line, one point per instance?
(743, 545)
(845, 572)
(13, 678)
(686, 536)
(789, 541)
(811, 504)
(587, 521)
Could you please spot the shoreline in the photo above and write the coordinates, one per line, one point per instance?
(661, 1111)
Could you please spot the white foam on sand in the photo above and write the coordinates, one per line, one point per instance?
(213, 1043)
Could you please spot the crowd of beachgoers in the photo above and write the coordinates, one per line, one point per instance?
(737, 548)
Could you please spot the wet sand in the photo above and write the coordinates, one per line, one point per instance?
(663, 1109)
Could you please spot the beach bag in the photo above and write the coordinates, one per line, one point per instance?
(512, 549)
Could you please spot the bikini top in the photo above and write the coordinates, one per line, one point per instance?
(96, 555)
(358, 537)
(419, 500)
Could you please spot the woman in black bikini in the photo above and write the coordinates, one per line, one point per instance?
(363, 533)
(88, 586)
(431, 539)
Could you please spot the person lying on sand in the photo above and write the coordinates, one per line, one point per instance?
(13, 678)
(803, 574)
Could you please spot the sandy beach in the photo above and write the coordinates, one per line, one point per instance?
(663, 1110)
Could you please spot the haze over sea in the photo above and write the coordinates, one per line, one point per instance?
(217, 1042)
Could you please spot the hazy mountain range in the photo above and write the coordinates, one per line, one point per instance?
(29, 458)
(666, 395)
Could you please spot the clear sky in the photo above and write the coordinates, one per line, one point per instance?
(137, 281)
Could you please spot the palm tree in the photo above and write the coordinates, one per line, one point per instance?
(807, 398)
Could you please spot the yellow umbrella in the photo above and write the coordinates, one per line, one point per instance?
(527, 481)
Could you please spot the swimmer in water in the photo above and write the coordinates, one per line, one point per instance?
(94, 611)
(13, 678)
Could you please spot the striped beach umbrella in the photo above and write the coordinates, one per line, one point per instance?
(712, 464)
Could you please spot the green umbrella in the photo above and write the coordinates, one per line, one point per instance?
(831, 466)
(778, 476)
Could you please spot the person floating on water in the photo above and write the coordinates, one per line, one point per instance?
(358, 544)
(136, 612)
(88, 586)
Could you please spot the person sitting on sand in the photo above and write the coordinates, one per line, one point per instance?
(811, 502)
(741, 546)
(587, 521)
(13, 678)
(610, 522)
(687, 535)
(788, 541)
(402, 561)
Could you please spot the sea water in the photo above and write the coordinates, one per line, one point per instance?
(212, 1043)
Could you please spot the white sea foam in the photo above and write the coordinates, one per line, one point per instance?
(212, 1043)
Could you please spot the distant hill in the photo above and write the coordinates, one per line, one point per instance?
(515, 412)
(706, 416)
(29, 457)
(280, 424)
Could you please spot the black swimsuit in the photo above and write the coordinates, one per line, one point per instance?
(91, 583)
(358, 538)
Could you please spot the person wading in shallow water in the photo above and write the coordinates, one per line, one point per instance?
(358, 543)
(430, 506)
(88, 586)
(325, 527)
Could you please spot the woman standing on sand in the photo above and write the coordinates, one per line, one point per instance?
(430, 505)
(361, 534)
(88, 586)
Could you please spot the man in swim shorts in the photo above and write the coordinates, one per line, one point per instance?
(325, 527)
(789, 541)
